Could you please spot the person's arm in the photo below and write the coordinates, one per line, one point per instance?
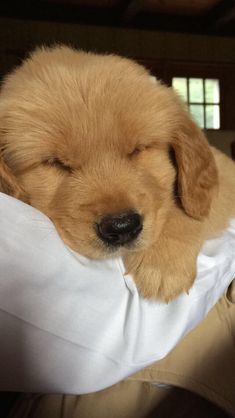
(73, 325)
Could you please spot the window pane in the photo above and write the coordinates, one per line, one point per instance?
(212, 91)
(180, 85)
(198, 114)
(196, 90)
(212, 117)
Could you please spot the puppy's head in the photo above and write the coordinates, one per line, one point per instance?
(86, 139)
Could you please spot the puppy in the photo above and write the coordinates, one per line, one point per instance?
(116, 162)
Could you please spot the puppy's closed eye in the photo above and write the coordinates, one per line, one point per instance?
(58, 163)
(137, 150)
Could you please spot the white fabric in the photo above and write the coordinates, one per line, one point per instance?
(72, 325)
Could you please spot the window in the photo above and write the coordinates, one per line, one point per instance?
(202, 96)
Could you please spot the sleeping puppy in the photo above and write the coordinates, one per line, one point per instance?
(116, 162)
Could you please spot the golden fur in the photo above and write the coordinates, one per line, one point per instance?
(85, 135)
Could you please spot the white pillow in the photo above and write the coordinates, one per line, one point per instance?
(73, 325)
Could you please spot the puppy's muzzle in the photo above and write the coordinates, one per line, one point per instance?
(120, 229)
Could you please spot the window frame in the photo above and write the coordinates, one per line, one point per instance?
(203, 71)
(202, 103)
(223, 72)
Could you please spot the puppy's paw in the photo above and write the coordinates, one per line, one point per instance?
(164, 285)
(161, 279)
(174, 283)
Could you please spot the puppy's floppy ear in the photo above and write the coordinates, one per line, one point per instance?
(197, 172)
(8, 182)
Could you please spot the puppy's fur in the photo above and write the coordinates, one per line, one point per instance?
(83, 136)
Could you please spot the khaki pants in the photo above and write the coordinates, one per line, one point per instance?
(203, 363)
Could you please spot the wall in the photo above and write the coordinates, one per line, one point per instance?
(18, 35)
(221, 140)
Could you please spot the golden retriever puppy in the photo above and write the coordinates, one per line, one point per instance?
(116, 162)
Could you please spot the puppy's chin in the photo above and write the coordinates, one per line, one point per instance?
(99, 251)
(94, 248)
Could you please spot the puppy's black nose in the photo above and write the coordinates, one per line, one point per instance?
(120, 229)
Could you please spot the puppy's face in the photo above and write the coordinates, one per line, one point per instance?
(87, 138)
